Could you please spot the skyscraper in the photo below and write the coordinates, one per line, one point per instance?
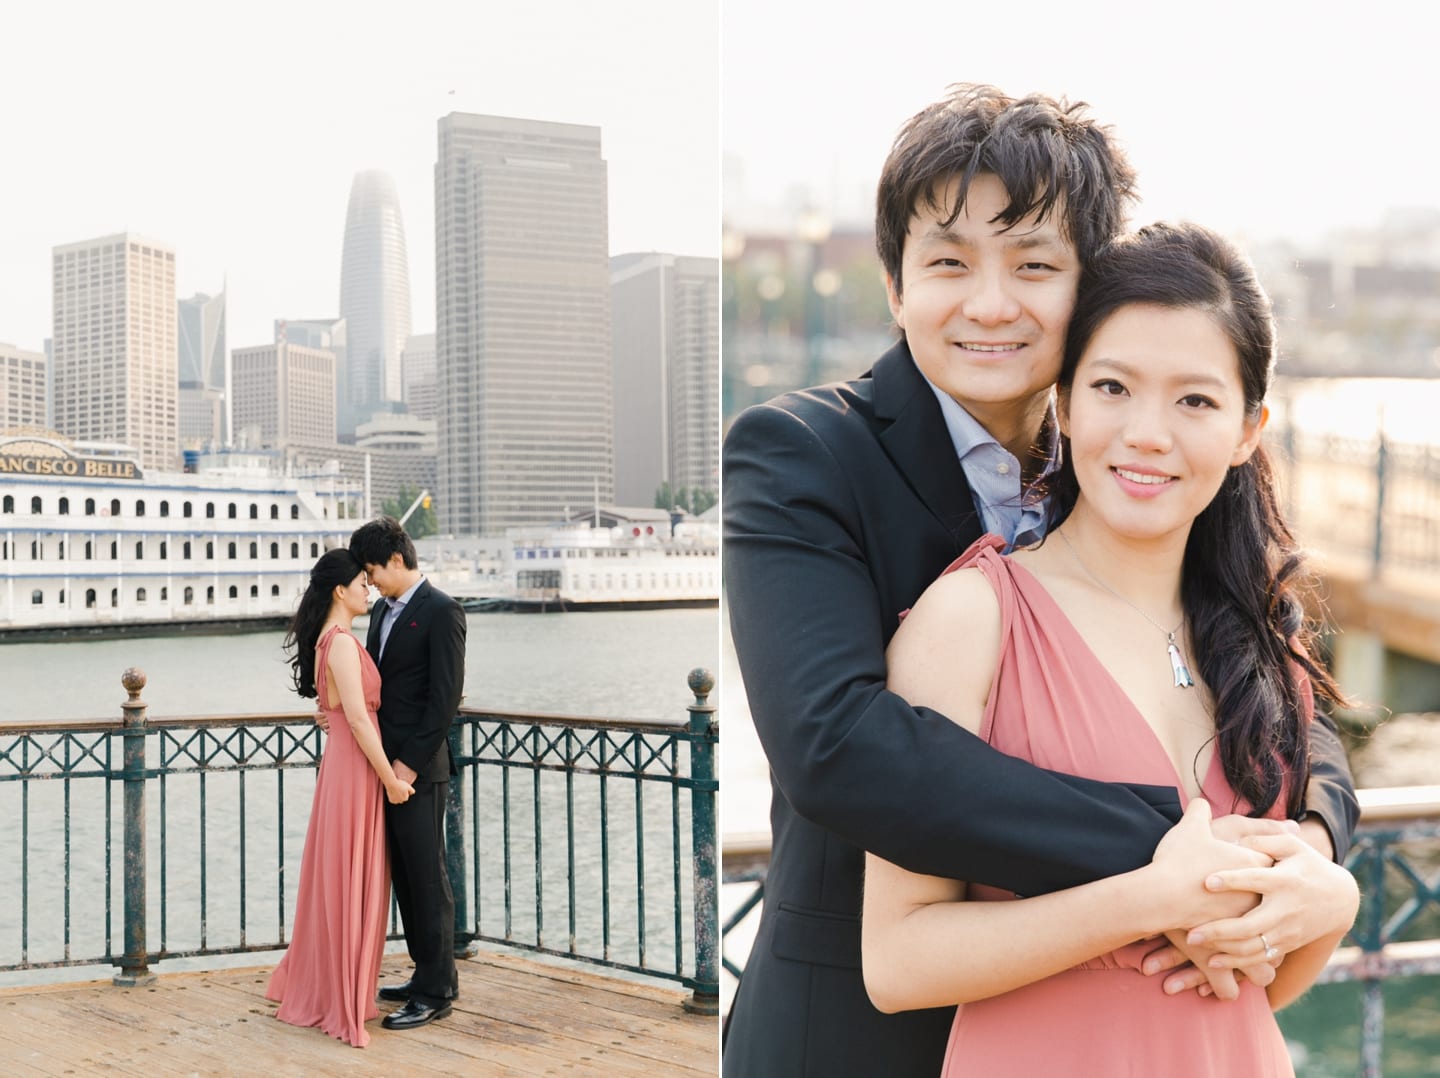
(116, 376)
(374, 298)
(665, 312)
(23, 377)
(523, 322)
(284, 393)
(419, 375)
(328, 334)
(204, 363)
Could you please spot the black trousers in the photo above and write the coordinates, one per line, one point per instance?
(416, 834)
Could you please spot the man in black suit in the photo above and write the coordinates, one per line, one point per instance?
(842, 503)
(417, 639)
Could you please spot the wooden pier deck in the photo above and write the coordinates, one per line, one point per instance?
(515, 1016)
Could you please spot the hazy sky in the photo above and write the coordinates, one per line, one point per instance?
(1263, 118)
(232, 131)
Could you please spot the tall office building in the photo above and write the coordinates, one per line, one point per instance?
(284, 393)
(116, 375)
(374, 298)
(327, 334)
(665, 317)
(204, 363)
(418, 369)
(23, 378)
(523, 322)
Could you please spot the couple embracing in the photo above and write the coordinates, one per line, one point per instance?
(378, 814)
(1021, 630)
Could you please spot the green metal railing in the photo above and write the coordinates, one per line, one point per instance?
(1372, 499)
(607, 826)
(1395, 858)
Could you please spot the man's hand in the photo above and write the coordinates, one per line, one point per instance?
(322, 720)
(1190, 962)
(399, 791)
(404, 772)
(1191, 969)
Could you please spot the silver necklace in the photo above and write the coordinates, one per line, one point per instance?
(1183, 680)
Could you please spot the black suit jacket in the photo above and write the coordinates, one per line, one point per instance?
(422, 676)
(841, 505)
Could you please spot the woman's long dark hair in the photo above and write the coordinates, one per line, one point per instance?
(1242, 577)
(336, 568)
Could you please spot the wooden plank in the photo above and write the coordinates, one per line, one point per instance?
(647, 1033)
(515, 1016)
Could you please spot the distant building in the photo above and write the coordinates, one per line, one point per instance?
(328, 334)
(204, 369)
(115, 367)
(374, 298)
(418, 369)
(665, 319)
(384, 472)
(523, 322)
(23, 378)
(397, 430)
(284, 393)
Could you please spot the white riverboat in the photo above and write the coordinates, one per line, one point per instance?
(607, 558)
(90, 543)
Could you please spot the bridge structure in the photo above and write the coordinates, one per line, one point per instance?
(1368, 513)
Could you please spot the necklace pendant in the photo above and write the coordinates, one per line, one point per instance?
(1183, 680)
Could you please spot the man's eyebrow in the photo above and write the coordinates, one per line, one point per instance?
(946, 235)
(1030, 241)
(1024, 241)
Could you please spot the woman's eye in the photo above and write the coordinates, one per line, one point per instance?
(1108, 387)
(1196, 400)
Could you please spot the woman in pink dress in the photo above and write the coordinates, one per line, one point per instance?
(328, 974)
(1156, 637)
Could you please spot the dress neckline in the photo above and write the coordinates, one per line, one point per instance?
(1033, 584)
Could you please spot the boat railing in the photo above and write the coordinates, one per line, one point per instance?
(1395, 858)
(136, 841)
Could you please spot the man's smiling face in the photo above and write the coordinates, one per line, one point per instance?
(985, 308)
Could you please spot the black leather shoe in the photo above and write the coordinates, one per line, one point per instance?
(394, 993)
(399, 993)
(414, 1014)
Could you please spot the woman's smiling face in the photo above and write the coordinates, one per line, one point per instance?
(1156, 417)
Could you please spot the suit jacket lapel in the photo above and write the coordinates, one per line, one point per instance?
(407, 616)
(918, 441)
(372, 635)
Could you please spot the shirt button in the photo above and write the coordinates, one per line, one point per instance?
(1002, 468)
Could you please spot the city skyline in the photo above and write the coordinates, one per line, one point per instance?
(247, 177)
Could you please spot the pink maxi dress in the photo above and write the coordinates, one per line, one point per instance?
(328, 974)
(1053, 703)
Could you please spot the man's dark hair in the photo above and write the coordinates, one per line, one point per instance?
(373, 543)
(1048, 154)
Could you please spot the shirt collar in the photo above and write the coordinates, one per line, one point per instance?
(396, 604)
(968, 434)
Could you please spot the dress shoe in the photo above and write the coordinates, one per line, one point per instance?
(414, 1014)
(394, 993)
(399, 993)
